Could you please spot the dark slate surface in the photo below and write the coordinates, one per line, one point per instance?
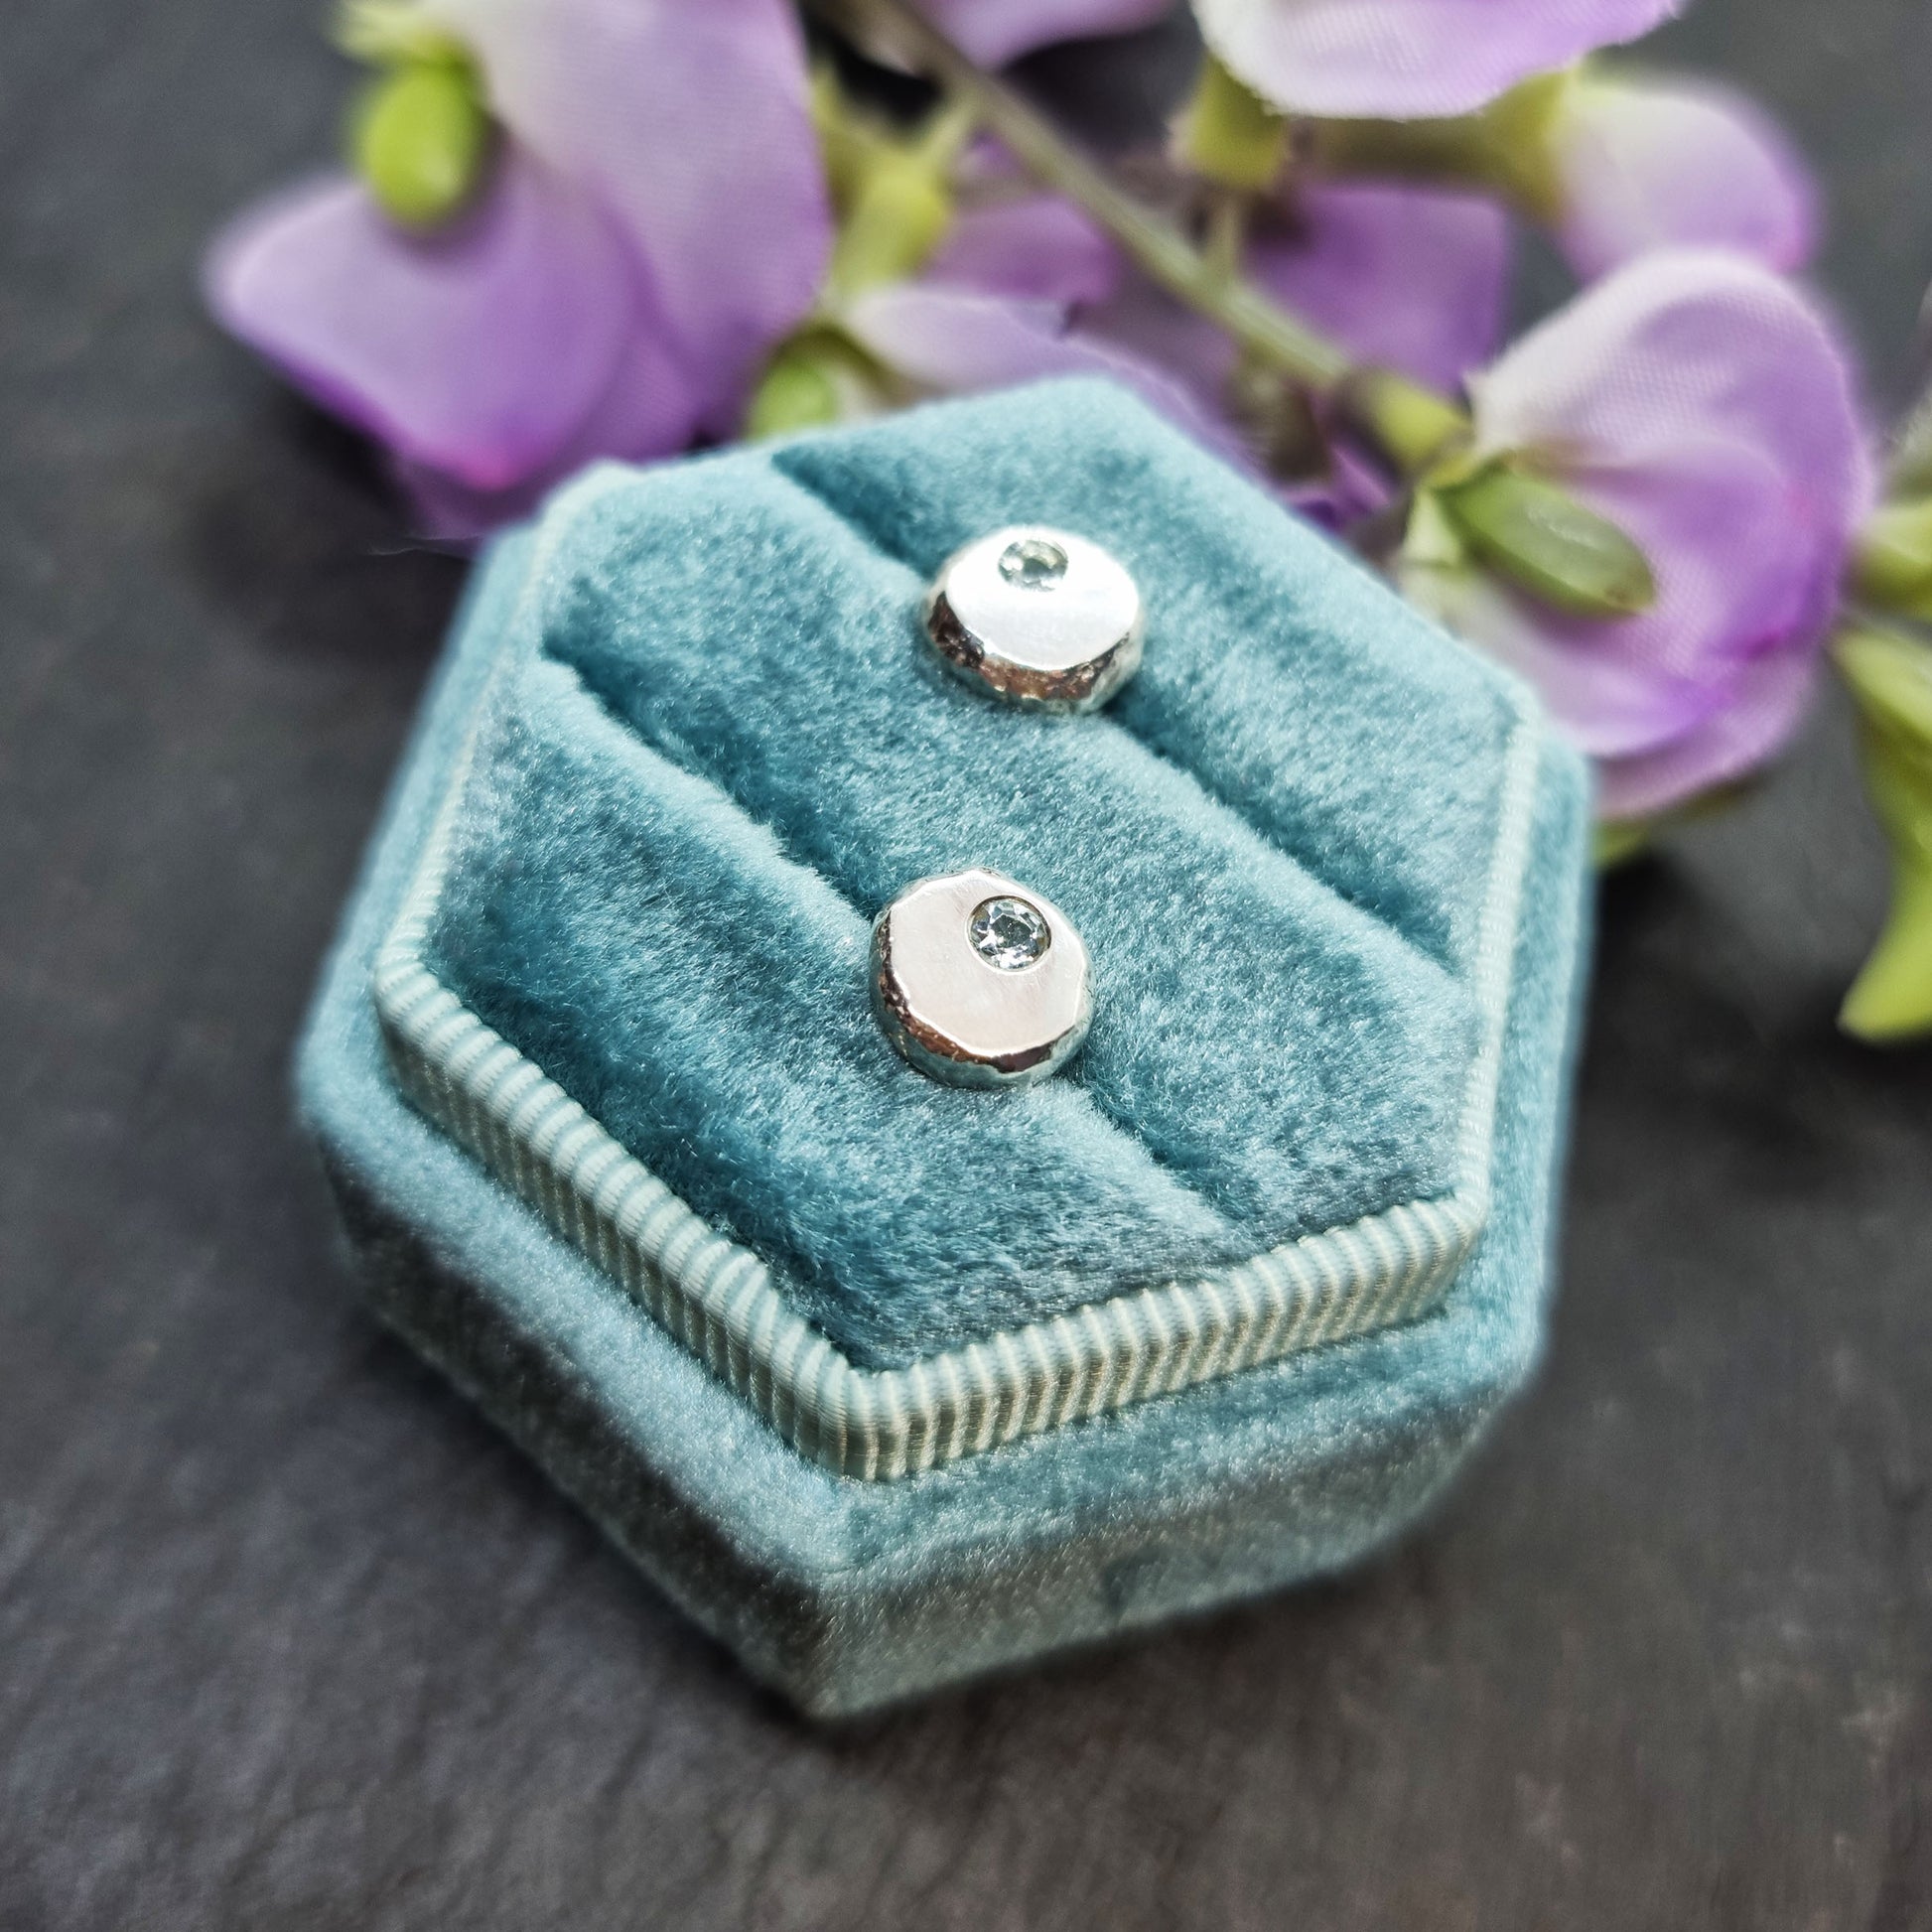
(289, 1638)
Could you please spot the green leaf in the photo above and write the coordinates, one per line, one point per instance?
(1891, 677)
(1539, 537)
(1228, 133)
(420, 140)
(1892, 999)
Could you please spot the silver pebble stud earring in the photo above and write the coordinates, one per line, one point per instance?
(980, 982)
(1039, 618)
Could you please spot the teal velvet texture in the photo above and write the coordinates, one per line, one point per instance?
(713, 745)
(728, 747)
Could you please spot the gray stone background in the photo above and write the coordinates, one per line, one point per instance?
(288, 1638)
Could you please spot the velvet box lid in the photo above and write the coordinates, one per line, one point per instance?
(889, 1382)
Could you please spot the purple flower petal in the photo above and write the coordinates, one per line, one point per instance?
(947, 342)
(1412, 278)
(1672, 352)
(994, 32)
(690, 123)
(478, 352)
(1655, 164)
(1039, 247)
(1760, 711)
(1150, 326)
(643, 413)
(1705, 407)
(1409, 59)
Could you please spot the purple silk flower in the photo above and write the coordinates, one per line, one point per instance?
(613, 289)
(1645, 161)
(1705, 406)
(1409, 59)
(1615, 163)
(1002, 302)
(1408, 277)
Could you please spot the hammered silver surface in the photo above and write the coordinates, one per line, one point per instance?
(1037, 616)
(966, 1010)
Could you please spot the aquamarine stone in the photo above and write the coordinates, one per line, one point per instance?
(1034, 563)
(1009, 934)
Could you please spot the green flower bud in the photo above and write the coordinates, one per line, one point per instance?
(392, 33)
(819, 375)
(1892, 562)
(900, 213)
(1228, 133)
(798, 390)
(420, 140)
(1890, 678)
(1414, 427)
(1536, 535)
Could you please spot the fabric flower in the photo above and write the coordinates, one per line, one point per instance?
(1412, 279)
(1036, 246)
(1612, 163)
(1025, 289)
(1407, 59)
(613, 289)
(998, 304)
(1705, 408)
(1643, 164)
(938, 341)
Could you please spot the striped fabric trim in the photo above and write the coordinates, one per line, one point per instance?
(718, 1300)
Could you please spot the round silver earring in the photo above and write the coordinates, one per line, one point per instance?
(979, 981)
(1037, 616)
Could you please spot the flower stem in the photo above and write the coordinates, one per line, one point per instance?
(1531, 531)
(1261, 327)
(1506, 147)
(1227, 234)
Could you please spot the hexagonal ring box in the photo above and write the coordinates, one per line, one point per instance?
(889, 1382)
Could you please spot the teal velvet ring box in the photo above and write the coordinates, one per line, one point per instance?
(889, 1382)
